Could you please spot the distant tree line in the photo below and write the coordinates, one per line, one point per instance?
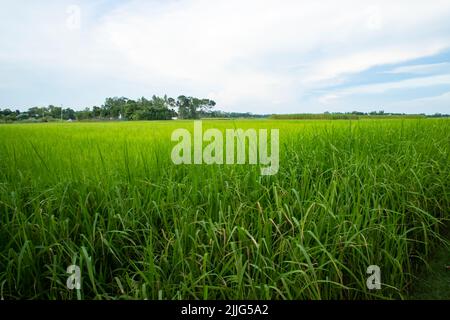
(315, 116)
(355, 115)
(156, 108)
(166, 108)
(217, 114)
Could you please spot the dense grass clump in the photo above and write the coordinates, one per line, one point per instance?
(106, 197)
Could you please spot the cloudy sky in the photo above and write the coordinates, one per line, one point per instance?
(260, 56)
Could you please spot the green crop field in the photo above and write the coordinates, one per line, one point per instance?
(106, 197)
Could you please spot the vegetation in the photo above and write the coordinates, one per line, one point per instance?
(118, 108)
(434, 279)
(318, 116)
(166, 108)
(105, 196)
(355, 115)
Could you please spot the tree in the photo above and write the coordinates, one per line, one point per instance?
(157, 108)
(183, 107)
(129, 109)
(96, 112)
(80, 115)
(114, 107)
(52, 110)
(7, 112)
(193, 108)
(70, 114)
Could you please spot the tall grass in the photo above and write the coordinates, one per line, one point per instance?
(106, 197)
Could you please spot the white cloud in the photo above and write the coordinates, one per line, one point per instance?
(386, 86)
(434, 104)
(328, 98)
(238, 51)
(421, 68)
(366, 58)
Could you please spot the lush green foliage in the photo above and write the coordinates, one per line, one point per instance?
(106, 196)
(158, 108)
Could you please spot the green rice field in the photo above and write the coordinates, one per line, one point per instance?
(105, 196)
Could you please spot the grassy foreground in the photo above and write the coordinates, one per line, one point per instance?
(433, 281)
(106, 197)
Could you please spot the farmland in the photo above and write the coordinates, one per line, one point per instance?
(105, 196)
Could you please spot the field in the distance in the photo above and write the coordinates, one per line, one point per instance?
(106, 197)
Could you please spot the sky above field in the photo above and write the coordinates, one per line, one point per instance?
(248, 55)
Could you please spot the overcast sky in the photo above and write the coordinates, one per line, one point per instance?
(248, 55)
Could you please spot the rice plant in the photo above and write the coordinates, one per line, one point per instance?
(107, 198)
